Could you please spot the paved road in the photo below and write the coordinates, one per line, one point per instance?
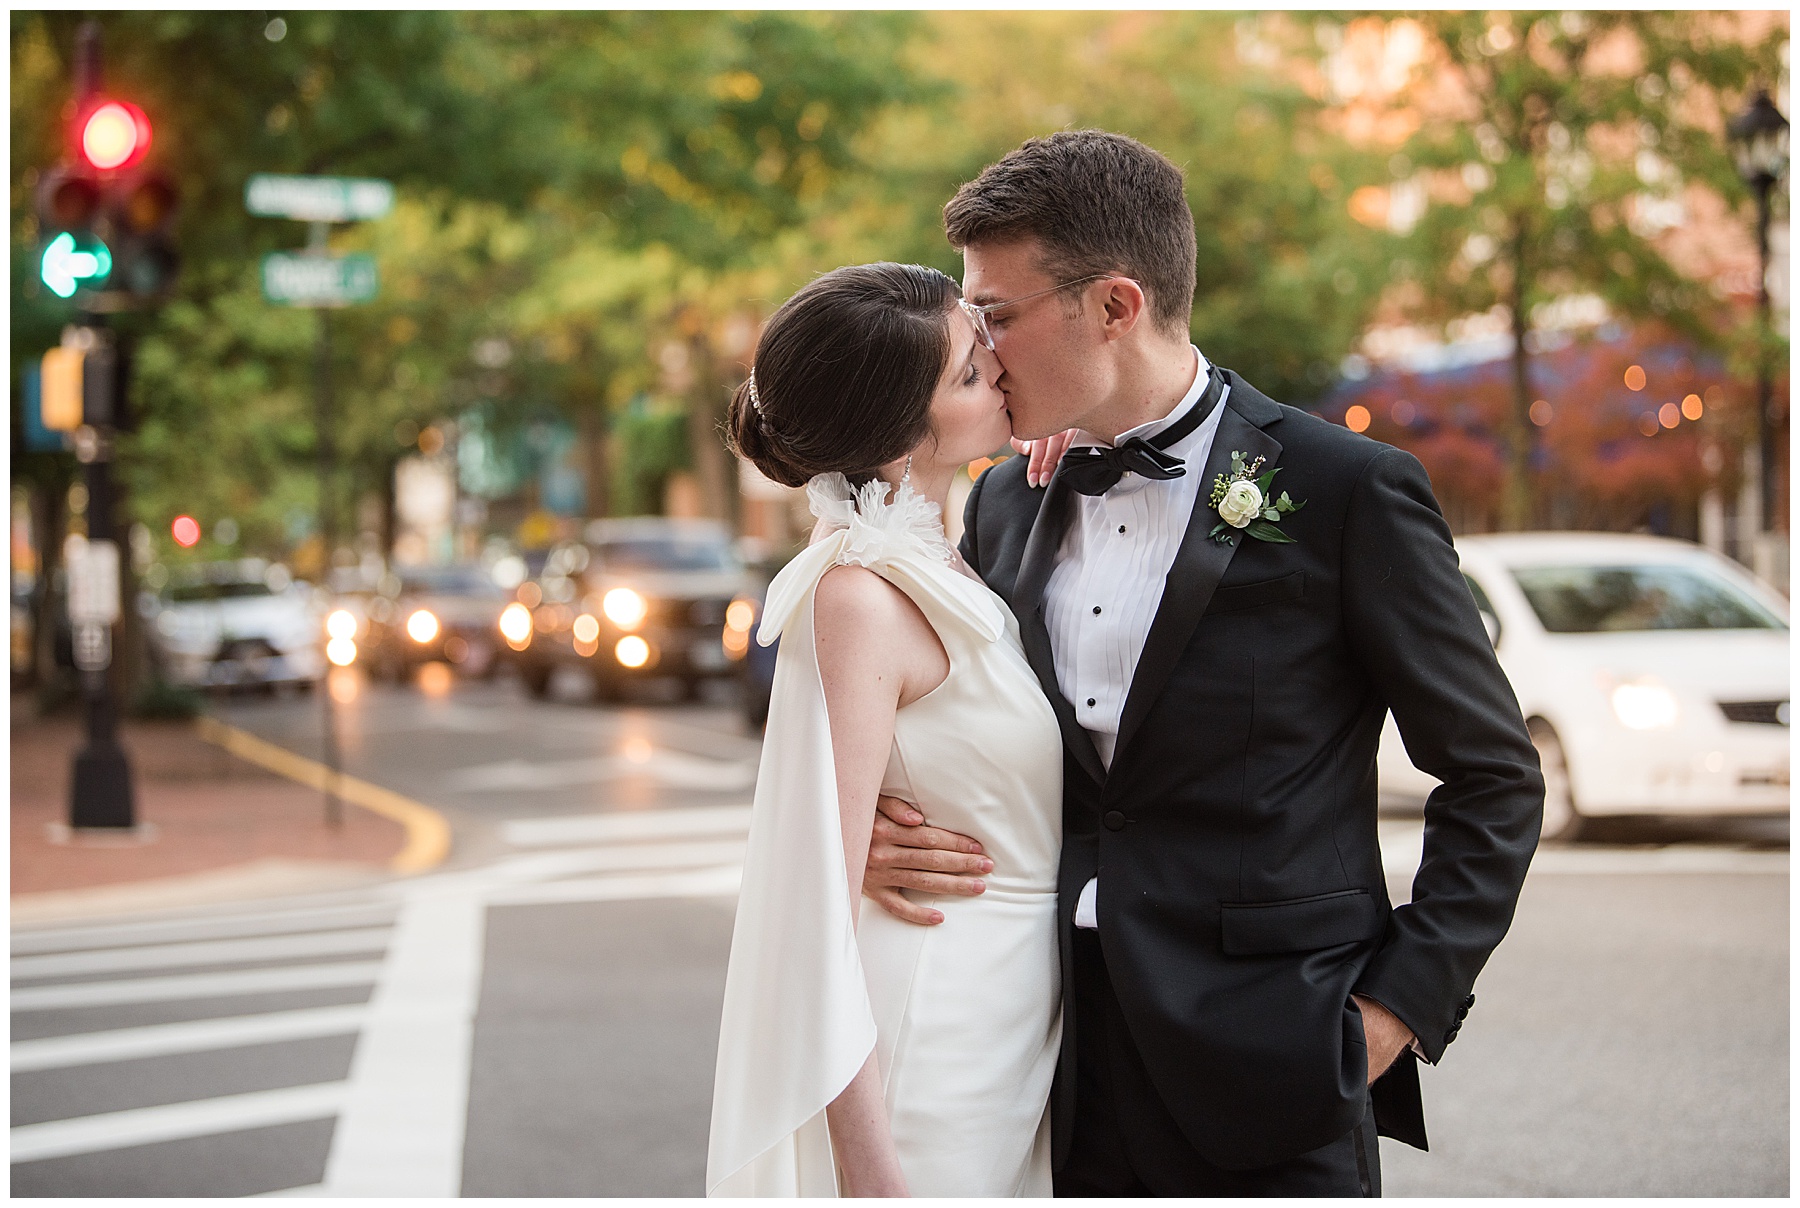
(538, 1018)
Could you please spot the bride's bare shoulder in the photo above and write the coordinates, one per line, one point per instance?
(856, 595)
(866, 617)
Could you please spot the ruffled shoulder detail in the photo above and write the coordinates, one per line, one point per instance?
(900, 538)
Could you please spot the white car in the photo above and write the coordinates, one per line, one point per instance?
(1653, 675)
(237, 624)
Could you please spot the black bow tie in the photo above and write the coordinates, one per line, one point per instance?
(1095, 471)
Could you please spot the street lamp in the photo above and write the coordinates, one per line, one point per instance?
(1759, 143)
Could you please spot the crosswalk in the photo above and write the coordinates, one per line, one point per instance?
(398, 968)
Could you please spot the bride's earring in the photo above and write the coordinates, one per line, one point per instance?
(906, 474)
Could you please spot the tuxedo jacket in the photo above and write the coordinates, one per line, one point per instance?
(1241, 894)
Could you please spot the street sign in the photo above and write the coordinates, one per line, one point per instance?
(93, 571)
(318, 198)
(307, 280)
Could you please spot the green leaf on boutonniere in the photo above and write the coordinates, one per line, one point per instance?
(1223, 533)
(1267, 480)
(1263, 530)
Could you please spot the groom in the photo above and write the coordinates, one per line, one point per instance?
(1222, 598)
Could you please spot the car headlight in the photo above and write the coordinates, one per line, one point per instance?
(738, 620)
(1644, 705)
(515, 625)
(341, 625)
(624, 607)
(585, 629)
(422, 626)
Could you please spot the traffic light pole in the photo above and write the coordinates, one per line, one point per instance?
(101, 796)
(327, 449)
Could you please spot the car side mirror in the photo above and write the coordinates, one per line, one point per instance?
(1491, 623)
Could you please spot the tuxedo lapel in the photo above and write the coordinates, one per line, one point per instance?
(1199, 565)
(1035, 566)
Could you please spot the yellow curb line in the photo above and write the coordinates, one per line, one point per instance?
(427, 831)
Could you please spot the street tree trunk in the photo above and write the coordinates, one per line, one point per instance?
(1516, 493)
(712, 464)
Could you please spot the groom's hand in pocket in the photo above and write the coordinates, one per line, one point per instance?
(904, 853)
(1386, 1036)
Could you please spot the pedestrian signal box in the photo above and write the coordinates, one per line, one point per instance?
(61, 406)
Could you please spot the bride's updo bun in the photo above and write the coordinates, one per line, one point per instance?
(844, 373)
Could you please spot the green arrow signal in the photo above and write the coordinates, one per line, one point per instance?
(70, 263)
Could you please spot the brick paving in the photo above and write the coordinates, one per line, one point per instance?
(210, 809)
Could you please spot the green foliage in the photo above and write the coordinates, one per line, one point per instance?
(652, 444)
(1585, 121)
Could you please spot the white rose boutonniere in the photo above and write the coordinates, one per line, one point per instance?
(1243, 503)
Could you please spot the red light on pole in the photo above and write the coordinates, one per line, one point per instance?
(114, 135)
(186, 531)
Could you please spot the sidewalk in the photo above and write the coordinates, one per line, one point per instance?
(223, 828)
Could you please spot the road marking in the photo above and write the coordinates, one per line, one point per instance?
(671, 768)
(401, 1128)
(546, 866)
(646, 824)
(191, 1036)
(194, 985)
(427, 831)
(174, 1121)
(699, 883)
(208, 952)
(70, 939)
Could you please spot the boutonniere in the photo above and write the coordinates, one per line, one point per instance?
(1243, 503)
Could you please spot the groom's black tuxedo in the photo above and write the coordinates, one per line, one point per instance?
(1241, 894)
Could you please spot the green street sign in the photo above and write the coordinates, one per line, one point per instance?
(318, 198)
(303, 280)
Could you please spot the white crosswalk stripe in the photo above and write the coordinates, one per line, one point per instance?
(194, 985)
(622, 827)
(205, 952)
(189, 1036)
(175, 1121)
(182, 930)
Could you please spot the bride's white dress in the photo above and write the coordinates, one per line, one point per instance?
(966, 1016)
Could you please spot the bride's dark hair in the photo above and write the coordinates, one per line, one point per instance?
(844, 373)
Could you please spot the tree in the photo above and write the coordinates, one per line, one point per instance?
(1551, 150)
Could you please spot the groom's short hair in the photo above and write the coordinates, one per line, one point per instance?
(1096, 202)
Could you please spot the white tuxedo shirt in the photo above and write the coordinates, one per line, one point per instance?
(1108, 580)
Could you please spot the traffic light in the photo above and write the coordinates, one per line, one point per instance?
(61, 397)
(112, 135)
(107, 221)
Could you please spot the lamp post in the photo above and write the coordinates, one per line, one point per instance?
(1759, 144)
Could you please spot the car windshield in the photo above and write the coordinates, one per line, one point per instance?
(450, 581)
(666, 553)
(1624, 599)
(188, 593)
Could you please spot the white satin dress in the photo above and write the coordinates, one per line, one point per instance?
(966, 1016)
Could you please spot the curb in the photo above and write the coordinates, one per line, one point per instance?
(427, 831)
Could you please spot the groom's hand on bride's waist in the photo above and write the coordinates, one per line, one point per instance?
(904, 853)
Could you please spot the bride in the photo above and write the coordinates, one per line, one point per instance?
(860, 1055)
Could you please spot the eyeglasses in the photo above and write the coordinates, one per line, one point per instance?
(978, 315)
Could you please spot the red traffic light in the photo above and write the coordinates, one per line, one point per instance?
(186, 531)
(113, 135)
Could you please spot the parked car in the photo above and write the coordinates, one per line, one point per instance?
(1653, 675)
(244, 623)
(425, 614)
(638, 597)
